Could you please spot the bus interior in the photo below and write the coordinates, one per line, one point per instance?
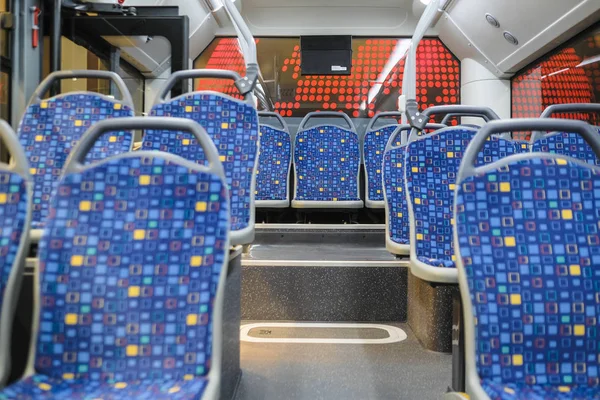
(266, 200)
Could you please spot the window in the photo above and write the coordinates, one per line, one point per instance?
(373, 86)
(74, 56)
(570, 74)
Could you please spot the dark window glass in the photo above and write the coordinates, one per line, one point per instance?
(570, 74)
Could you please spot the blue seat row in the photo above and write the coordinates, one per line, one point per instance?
(420, 180)
(527, 247)
(50, 128)
(132, 267)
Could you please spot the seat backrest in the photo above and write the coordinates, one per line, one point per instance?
(15, 217)
(274, 164)
(566, 144)
(233, 127)
(51, 127)
(397, 226)
(327, 163)
(431, 168)
(133, 262)
(373, 149)
(527, 247)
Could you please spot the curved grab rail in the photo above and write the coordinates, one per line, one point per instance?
(382, 115)
(19, 162)
(270, 114)
(423, 118)
(449, 116)
(58, 75)
(203, 73)
(315, 114)
(404, 129)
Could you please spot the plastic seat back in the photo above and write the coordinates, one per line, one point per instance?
(432, 162)
(274, 164)
(51, 127)
(374, 146)
(528, 248)
(327, 165)
(397, 225)
(233, 127)
(15, 217)
(133, 264)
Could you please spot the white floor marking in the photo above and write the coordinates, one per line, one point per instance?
(395, 334)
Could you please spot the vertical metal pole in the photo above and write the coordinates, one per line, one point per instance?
(55, 55)
(115, 58)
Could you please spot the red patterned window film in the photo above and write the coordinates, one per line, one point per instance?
(373, 86)
(568, 75)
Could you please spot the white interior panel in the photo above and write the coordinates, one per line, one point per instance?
(332, 17)
(538, 25)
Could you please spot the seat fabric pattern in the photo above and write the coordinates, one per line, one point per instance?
(522, 146)
(40, 387)
(273, 164)
(393, 174)
(130, 263)
(51, 128)
(374, 148)
(529, 244)
(432, 166)
(233, 127)
(566, 144)
(13, 215)
(512, 391)
(327, 160)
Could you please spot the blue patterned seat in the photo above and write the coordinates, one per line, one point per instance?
(15, 216)
(327, 167)
(566, 144)
(133, 255)
(528, 241)
(397, 224)
(432, 162)
(233, 126)
(513, 391)
(274, 163)
(375, 142)
(50, 128)
(373, 153)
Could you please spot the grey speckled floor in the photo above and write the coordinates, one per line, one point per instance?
(403, 370)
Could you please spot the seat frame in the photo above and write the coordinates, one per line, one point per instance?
(241, 236)
(472, 379)
(418, 267)
(38, 96)
(213, 388)
(20, 167)
(333, 205)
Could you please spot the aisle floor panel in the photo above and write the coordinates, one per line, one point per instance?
(317, 252)
(403, 370)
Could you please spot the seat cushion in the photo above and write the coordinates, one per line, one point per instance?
(434, 262)
(233, 127)
(373, 150)
(43, 387)
(393, 181)
(273, 164)
(50, 129)
(566, 144)
(327, 161)
(512, 391)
